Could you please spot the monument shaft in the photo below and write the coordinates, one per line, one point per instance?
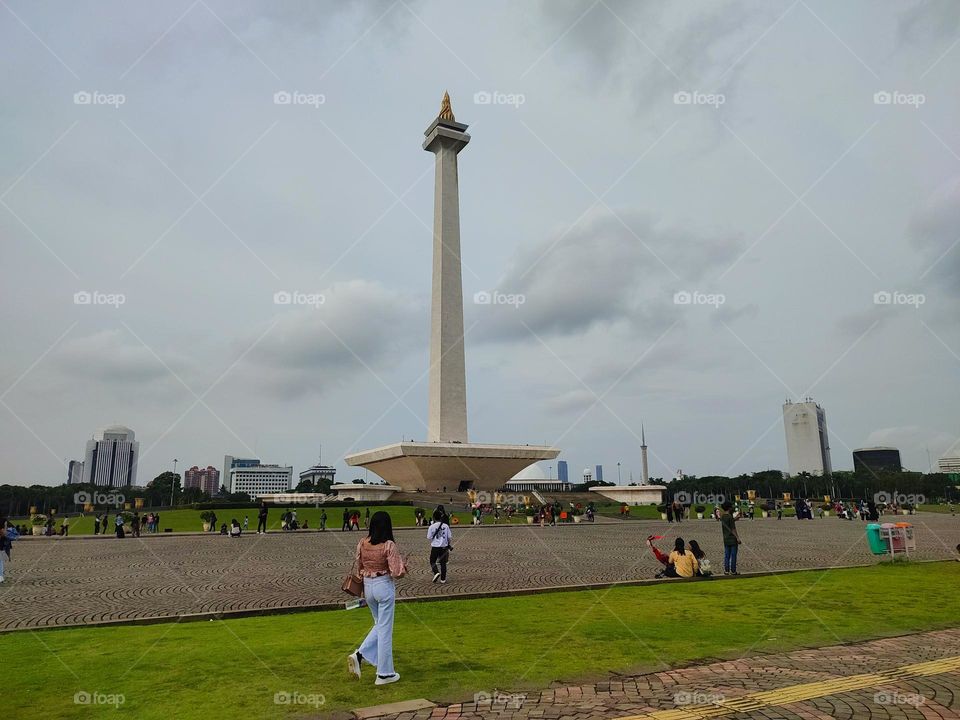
(448, 381)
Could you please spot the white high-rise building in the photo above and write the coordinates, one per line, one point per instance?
(111, 457)
(949, 464)
(808, 446)
(260, 480)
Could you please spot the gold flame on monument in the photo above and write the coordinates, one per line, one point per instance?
(446, 112)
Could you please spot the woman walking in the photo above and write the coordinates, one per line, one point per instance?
(439, 536)
(378, 562)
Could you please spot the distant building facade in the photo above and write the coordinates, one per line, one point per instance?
(808, 445)
(75, 472)
(949, 464)
(562, 471)
(206, 479)
(230, 462)
(257, 480)
(875, 459)
(322, 476)
(111, 457)
(599, 476)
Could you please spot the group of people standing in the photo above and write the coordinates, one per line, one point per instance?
(689, 559)
(351, 519)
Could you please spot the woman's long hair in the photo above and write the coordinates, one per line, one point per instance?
(695, 549)
(679, 546)
(381, 528)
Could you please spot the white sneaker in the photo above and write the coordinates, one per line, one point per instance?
(436, 576)
(353, 664)
(388, 679)
(443, 582)
(1, 578)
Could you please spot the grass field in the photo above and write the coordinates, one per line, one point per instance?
(452, 649)
(189, 520)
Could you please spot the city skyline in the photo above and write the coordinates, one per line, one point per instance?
(727, 237)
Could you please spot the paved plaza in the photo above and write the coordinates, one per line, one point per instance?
(55, 582)
(914, 676)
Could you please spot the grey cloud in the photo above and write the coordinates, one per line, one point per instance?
(360, 325)
(113, 357)
(935, 229)
(605, 272)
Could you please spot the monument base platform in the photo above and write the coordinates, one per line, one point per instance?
(632, 494)
(434, 466)
(364, 493)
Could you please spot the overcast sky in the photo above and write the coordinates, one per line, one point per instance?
(623, 154)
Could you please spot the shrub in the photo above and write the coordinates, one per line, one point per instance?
(38, 519)
(700, 509)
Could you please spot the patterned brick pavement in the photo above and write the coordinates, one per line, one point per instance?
(915, 676)
(76, 581)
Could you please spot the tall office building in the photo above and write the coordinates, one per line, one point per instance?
(111, 457)
(599, 475)
(876, 459)
(808, 446)
(230, 462)
(208, 479)
(260, 480)
(562, 471)
(75, 472)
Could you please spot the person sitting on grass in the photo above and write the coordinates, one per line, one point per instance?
(701, 558)
(235, 528)
(684, 563)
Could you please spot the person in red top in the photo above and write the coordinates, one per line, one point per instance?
(378, 562)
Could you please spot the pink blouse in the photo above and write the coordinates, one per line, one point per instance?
(382, 559)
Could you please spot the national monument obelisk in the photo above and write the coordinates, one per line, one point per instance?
(447, 419)
(447, 459)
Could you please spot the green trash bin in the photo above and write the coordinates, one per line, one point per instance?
(877, 545)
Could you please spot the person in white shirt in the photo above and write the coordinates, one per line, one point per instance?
(440, 537)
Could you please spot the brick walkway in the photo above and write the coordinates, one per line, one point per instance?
(73, 581)
(915, 676)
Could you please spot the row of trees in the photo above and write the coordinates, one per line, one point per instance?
(163, 491)
(922, 487)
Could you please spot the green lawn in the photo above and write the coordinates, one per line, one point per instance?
(452, 649)
(189, 520)
(939, 508)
